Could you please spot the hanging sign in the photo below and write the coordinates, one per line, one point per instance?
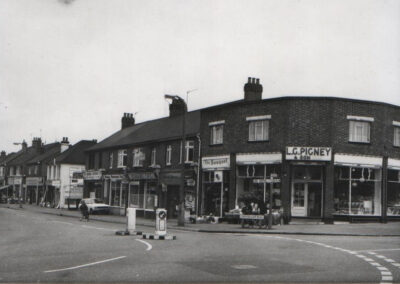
(309, 153)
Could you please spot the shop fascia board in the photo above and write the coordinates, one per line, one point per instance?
(393, 164)
(258, 158)
(358, 161)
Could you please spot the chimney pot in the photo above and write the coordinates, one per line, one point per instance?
(258, 81)
(249, 80)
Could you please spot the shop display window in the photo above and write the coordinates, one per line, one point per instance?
(253, 184)
(151, 195)
(357, 191)
(115, 193)
(137, 195)
(393, 193)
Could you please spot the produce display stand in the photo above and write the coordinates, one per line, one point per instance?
(253, 220)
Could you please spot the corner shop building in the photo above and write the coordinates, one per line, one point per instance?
(328, 158)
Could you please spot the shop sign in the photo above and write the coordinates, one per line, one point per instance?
(218, 176)
(54, 182)
(309, 153)
(142, 176)
(34, 181)
(258, 158)
(74, 191)
(216, 162)
(114, 177)
(268, 180)
(190, 182)
(15, 180)
(92, 175)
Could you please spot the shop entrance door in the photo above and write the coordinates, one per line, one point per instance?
(306, 199)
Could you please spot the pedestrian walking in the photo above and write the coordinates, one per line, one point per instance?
(84, 211)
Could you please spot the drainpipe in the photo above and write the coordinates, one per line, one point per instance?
(198, 175)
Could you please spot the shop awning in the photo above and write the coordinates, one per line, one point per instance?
(358, 161)
(393, 164)
(4, 187)
(258, 158)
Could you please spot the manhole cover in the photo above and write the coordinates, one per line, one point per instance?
(244, 266)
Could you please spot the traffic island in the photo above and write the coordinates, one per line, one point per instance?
(158, 237)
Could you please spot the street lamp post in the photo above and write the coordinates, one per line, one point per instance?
(181, 206)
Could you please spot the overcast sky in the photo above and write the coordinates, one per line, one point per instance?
(72, 68)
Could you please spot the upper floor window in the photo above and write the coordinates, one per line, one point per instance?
(153, 156)
(168, 155)
(1, 171)
(36, 169)
(138, 157)
(189, 151)
(258, 127)
(111, 160)
(11, 171)
(18, 173)
(217, 132)
(359, 128)
(396, 135)
(30, 170)
(122, 158)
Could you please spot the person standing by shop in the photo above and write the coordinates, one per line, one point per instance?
(84, 211)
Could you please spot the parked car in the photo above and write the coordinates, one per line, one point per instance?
(96, 205)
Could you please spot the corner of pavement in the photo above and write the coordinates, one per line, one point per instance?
(391, 229)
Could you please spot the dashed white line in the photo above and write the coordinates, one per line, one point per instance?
(149, 246)
(84, 265)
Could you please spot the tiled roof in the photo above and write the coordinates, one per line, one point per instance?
(29, 154)
(49, 153)
(154, 130)
(8, 158)
(76, 153)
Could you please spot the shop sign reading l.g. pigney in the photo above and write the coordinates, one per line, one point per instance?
(309, 153)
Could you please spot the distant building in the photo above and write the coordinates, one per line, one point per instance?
(64, 173)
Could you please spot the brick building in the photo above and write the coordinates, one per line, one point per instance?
(140, 165)
(323, 157)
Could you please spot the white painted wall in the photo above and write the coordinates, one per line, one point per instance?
(66, 171)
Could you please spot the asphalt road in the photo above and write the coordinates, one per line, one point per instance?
(36, 247)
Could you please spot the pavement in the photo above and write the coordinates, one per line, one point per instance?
(390, 229)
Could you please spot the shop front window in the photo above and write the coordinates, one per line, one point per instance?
(151, 195)
(393, 193)
(137, 195)
(254, 184)
(357, 191)
(115, 193)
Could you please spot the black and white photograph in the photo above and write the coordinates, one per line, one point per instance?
(200, 141)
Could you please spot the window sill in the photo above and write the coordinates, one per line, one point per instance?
(359, 142)
(257, 141)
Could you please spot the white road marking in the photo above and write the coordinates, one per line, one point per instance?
(97, 228)
(244, 266)
(386, 275)
(67, 223)
(84, 265)
(372, 250)
(149, 246)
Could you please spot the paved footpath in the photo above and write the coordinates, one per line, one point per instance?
(340, 229)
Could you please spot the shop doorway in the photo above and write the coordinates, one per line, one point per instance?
(307, 188)
(306, 199)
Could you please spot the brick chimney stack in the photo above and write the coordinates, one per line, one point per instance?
(24, 145)
(3, 154)
(253, 90)
(127, 120)
(64, 144)
(37, 144)
(177, 107)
